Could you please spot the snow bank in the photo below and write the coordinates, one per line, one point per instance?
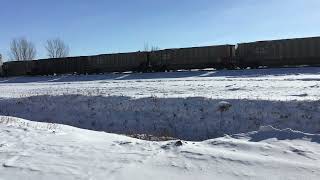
(29, 150)
(194, 118)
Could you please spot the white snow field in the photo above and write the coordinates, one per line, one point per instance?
(269, 84)
(30, 150)
(271, 118)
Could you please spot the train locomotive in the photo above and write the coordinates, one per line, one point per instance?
(274, 53)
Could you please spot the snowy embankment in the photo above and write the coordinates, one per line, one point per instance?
(31, 150)
(193, 118)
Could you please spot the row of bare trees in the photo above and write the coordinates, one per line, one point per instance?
(22, 50)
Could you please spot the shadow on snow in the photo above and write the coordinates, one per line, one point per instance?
(194, 118)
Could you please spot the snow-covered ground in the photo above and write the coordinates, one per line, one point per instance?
(195, 106)
(193, 118)
(275, 84)
(30, 150)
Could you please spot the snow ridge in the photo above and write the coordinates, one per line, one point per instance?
(269, 132)
(194, 118)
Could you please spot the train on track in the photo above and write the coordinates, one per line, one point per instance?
(274, 53)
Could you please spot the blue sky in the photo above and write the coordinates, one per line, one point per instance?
(97, 26)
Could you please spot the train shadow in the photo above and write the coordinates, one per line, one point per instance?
(248, 73)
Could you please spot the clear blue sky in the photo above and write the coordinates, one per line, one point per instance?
(105, 26)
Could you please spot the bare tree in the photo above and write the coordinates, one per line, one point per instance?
(146, 47)
(56, 48)
(154, 48)
(22, 50)
(150, 48)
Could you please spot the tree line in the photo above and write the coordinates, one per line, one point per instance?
(22, 49)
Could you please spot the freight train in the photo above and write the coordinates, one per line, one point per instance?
(275, 53)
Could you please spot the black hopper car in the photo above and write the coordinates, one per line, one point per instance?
(275, 53)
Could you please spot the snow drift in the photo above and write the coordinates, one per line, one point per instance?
(194, 118)
(33, 150)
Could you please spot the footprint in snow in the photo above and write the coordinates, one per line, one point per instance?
(235, 89)
(300, 95)
(314, 86)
